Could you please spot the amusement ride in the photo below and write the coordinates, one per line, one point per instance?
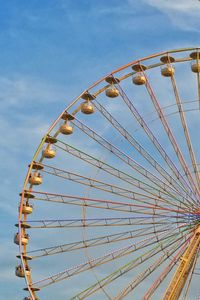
(110, 206)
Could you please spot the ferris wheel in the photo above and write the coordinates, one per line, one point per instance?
(110, 207)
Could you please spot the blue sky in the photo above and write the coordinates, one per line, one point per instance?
(50, 52)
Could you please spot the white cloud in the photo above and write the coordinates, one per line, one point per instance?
(184, 14)
(29, 103)
(20, 91)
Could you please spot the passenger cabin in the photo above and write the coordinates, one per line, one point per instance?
(195, 66)
(19, 271)
(49, 152)
(65, 128)
(139, 78)
(27, 209)
(112, 92)
(167, 70)
(35, 179)
(24, 239)
(87, 107)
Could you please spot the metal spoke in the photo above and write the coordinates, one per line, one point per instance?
(107, 222)
(128, 160)
(186, 130)
(116, 172)
(155, 142)
(148, 271)
(135, 144)
(109, 204)
(101, 240)
(124, 269)
(101, 260)
(171, 137)
(100, 185)
(167, 270)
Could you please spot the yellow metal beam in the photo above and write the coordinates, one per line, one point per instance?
(179, 279)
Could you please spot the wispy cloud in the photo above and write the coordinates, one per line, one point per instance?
(24, 90)
(58, 52)
(183, 14)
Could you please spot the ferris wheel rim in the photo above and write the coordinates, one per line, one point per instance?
(47, 135)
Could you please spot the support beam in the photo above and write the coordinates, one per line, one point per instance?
(186, 262)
